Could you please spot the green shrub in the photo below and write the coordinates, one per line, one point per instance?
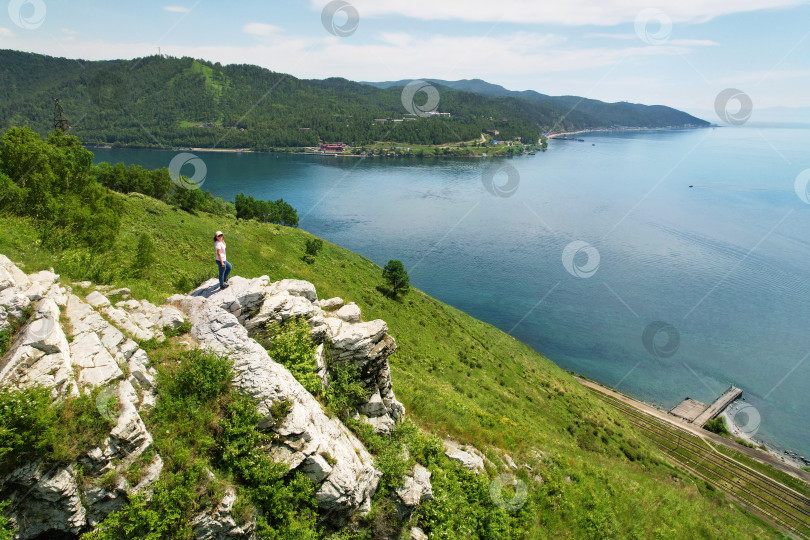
(80, 424)
(26, 417)
(145, 257)
(184, 328)
(312, 246)
(200, 377)
(6, 530)
(33, 427)
(277, 211)
(290, 344)
(344, 391)
(202, 424)
(53, 184)
(717, 425)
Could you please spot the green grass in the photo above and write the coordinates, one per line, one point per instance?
(457, 376)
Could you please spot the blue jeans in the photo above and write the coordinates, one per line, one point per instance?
(224, 270)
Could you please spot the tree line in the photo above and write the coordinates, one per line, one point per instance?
(55, 183)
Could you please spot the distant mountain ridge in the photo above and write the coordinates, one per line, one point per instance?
(159, 101)
(637, 112)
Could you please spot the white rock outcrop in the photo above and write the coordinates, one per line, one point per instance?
(219, 524)
(309, 440)
(68, 346)
(415, 490)
(73, 344)
(467, 455)
(365, 345)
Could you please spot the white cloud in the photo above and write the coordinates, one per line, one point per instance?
(513, 55)
(176, 9)
(604, 35)
(569, 12)
(5, 32)
(69, 32)
(693, 42)
(631, 37)
(260, 29)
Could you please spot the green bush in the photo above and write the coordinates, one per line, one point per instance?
(184, 328)
(717, 425)
(6, 530)
(145, 256)
(26, 417)
(33, 427)
(290, 344)
(344, 391)
(202, 424)
(200, 377)
(312, 246)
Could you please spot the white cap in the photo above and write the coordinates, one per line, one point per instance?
(218, 233)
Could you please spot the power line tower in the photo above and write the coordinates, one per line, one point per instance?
(60, 120)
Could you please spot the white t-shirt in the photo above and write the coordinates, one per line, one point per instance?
(220, 250)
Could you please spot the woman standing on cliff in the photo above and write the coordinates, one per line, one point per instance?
(223, 265)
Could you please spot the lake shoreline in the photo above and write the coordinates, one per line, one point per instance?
(773, 456)
(622, 130)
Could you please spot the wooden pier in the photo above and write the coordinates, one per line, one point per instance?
(699, 413)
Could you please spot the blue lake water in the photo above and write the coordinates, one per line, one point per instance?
(725, 263)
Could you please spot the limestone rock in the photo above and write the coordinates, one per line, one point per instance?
(467, 455)
(418, 534)
(509, 462)
(219, 524)
(331, 303)
(41, 355)
(306, 435)
(297, 287)
(170, 317)
(349, 313)
(96, 299)
(366, 345)
(415, 490)
(44, 500)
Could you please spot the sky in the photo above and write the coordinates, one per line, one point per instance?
(679, 53)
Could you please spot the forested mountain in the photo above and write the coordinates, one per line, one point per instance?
(171, 102)
(621, 113)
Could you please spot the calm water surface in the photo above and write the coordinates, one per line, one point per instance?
(724, 262)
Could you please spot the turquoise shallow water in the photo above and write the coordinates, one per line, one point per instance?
(725, 263)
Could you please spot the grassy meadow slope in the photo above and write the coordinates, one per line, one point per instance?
(456, 375)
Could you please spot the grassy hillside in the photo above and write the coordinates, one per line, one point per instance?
(456, 375)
